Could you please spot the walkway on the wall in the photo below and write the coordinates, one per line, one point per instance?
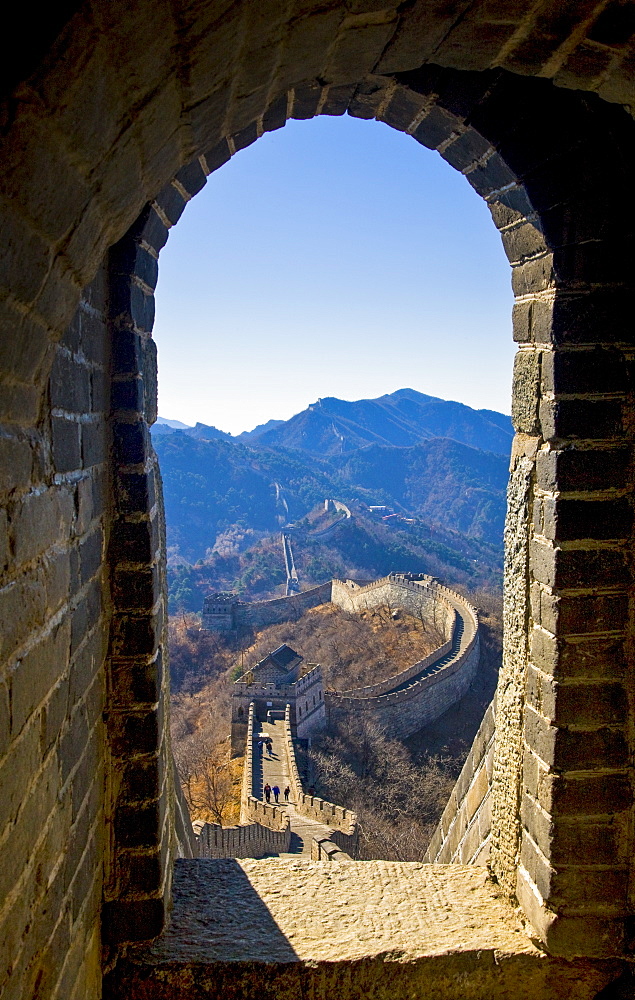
(272, 768)
(293, 583)
(462, 636)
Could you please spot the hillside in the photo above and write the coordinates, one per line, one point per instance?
(212, 486)
(359, 548)
(403, 418)
(334, 426)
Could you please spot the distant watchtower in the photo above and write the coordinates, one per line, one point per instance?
(219, 611)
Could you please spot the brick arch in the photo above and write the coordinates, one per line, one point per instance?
(108, 103)
(520, 144)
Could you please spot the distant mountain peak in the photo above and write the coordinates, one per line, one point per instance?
(332, 426)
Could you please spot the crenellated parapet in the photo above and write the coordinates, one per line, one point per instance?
(422, 692)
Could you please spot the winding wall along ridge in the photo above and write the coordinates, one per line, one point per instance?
(415, 698)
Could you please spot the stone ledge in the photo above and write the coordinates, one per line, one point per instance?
(285, 928)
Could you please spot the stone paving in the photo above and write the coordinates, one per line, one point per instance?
(282, 929)
(272, 768)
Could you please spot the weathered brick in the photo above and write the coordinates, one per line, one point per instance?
(578, 567)
(15, 463)
(576, 469)
(591, 704)
(599, 370)
(589, 795)
(37, 674)
(581, 418)
(22, 609)
(66, 444)
(586, 657)
(69, 383)
(39, 521)
(131, 443)
(569, 615)
(137, 682)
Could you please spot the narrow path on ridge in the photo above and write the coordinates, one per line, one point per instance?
(272, 768)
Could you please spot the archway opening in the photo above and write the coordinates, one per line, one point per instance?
(333, 261)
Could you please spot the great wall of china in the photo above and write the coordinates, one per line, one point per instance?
(402, 704)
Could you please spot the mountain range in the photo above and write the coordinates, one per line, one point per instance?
(334, 427)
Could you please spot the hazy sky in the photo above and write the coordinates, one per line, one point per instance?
(334, 257)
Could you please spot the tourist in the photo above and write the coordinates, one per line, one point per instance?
(267, 791)
(287, 793)
(270, 746)
(276, 793)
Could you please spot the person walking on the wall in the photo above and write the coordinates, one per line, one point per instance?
(270, 746)
(287, 793)
(267, 791)
(276, 793)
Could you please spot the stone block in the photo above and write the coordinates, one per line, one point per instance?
(533, 276)
(69, 383)
(525, 392)
(135, 492)
(72, 745)
(136, 682)
(589, 795)
(582, 418)
(22, 611)
(15, 463)
(595, 519)
(591, 704)
(131, 443)
(583, 657)
(599, 370)
(138, 733)
(66, 444)
(580, 615)
(127, 258)
(578, 469)
(37, 674)
(583, 842)
(128, 394)
(435, 129)
(150, 229)
(136, 590)
(137, 634)
(574, 568)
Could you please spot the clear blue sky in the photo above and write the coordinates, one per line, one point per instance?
(334, 257)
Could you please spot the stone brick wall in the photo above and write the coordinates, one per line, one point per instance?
(281, 609)
(310, 708)
(252, 841)
(111, 119)
(404, 710)
(55, 617)
(463, 833)
(343, 822)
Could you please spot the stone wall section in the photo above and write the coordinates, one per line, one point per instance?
(342, 822)
(282, 609)
(404, 710)
(463, 833)
(251, 841)
(54, 610)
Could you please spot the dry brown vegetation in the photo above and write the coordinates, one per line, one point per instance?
(397, 802)
(353, 649)
(398, 791)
